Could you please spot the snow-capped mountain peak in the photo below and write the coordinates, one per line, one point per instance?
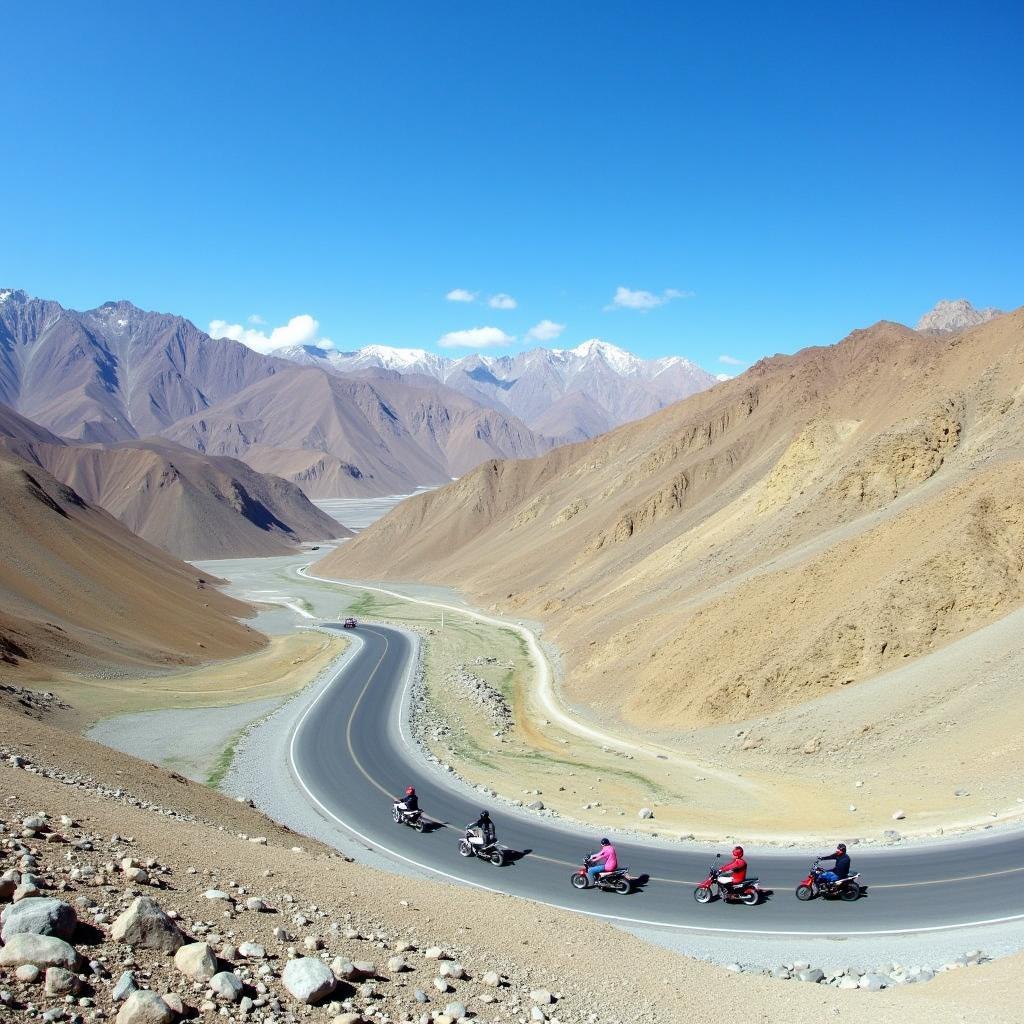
(564, 393)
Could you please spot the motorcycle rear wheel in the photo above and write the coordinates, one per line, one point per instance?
(578, 881)
(850, 893)
(498, 858)
(751, 897)
(623, 886)
(804, 893)
(702, 895)
(419, 825)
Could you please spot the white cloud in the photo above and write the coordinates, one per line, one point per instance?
(300, 330)
(256, 320)
(476, 337)
(546, 330)
(502, 301)
(731, 361)
(723, 376)
(461, 295)
(628, 298)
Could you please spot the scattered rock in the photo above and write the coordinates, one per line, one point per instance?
(309, 980)
(145, 925)
(41, 950)
(61, 982)
(39, 916)
(196, 961)
(125, 986)
(227, 986)
(646, 812)
(144, 1007)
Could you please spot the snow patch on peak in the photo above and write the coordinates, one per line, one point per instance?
(398, 358)
(5, 294)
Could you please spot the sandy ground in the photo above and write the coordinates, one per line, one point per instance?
(286, 665)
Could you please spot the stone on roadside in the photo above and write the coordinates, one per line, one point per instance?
(307, 979)
(256, 905)
(145, 925)
(61, 982)
(811, 974)
(145, 1007)
(196, 961)
(872, 982)
(455, 1010)
(646, 812)
(348, 1018)
(781, 973)
(252, 951)
(125, 986)
(491, 979)
(39, 915)
(41, 950)
(27, 974)
(397, 964)
(227, 986)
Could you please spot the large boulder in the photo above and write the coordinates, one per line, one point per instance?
(197, 961)
(38, 915)
(309, 980)
(41, 950)
(145, 925)
(145, 1007)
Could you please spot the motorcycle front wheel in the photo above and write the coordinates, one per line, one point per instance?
(804, 893)
(578, 881)
(850, 893)
(702, 895)
(465, 849)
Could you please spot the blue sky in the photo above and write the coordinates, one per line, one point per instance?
(761, 178)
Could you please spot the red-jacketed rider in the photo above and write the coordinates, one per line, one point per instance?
(604, 860)
(733, 874)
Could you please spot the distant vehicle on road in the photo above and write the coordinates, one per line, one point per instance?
(315, 547)
(350, 623)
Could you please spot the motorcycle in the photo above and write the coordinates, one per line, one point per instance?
(609, 881)
(748, 892)
(485, 851)
(848, 889)
(414, 819)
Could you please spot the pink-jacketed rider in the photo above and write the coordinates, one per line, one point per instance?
(604, 860)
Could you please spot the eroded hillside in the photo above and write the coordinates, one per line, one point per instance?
(792, 531)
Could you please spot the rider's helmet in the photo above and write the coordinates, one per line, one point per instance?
(842, 847)
(606, 842)
(410, 790)
(484, 816)
(737, 851)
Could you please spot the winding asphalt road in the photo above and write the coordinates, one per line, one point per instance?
(350, 752)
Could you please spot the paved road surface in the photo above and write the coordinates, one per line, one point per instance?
(350, 751)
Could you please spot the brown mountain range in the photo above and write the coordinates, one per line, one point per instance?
(812, 523)
(193, 506)
(80, 592)
(119, 373)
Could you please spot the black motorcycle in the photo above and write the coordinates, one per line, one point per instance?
(485, 851)
(414, 819)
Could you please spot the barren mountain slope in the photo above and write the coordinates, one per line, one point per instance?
(80, 592)
(192, 505)
(787, 532)
(114, 372)
(348, 436)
